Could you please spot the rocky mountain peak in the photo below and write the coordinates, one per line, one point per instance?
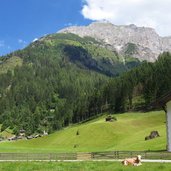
(140, 42)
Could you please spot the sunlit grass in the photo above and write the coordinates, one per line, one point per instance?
(81, 166)
(127, 133)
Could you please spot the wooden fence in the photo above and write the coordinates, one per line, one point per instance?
(38, 156)
(83, 156)
(126, 154)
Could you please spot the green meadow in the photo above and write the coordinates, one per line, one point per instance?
(81, 166)
(127, 133)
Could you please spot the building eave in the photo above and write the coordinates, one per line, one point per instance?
(160, 102)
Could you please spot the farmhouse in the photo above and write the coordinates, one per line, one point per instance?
(165, 103)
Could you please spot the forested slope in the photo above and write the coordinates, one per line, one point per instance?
(58, 80)
(138, 88)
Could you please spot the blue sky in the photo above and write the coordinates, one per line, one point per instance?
(21, 21)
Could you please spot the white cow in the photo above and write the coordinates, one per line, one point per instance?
(136, 161)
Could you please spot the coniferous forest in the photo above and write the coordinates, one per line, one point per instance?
(63, 79)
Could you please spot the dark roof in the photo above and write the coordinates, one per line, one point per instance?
(22, 131)
(161, 101)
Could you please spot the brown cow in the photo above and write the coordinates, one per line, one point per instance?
(136, 161)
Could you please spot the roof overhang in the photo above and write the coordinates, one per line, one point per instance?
(162, 101)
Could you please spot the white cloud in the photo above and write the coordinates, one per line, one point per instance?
(2, 43)
(21, 41)
(149, 13)
(8, 47)
(70, 24)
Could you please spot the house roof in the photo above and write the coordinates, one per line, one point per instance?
(162, 100)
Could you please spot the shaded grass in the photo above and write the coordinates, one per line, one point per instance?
(127, 133)
(81, 166)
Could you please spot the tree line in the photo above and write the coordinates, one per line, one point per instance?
(137, 88)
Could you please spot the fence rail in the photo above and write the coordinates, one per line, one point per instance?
(125, 154)
(38, 156)
(83, 156)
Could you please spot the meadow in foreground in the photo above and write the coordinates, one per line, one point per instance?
(81, 166)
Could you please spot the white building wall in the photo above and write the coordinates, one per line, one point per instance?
(168, 126)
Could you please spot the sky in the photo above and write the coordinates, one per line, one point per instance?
(22, 21)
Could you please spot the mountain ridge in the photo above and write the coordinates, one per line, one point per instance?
(149, 45)
(64, 79)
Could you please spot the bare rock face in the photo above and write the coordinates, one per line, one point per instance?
(145, 43)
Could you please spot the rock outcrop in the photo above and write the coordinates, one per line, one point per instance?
(140, 42)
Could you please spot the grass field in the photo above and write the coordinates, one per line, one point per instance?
(81, 166)
(127, 133)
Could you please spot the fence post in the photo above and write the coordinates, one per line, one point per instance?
(161, 155)
(92, 155)
(131, 153)
(49, 156)
(144, 154)
(114, 154)
(117, 154)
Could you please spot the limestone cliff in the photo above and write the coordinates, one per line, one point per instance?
(140, 42)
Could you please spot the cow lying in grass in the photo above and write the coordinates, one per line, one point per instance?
(136, 161)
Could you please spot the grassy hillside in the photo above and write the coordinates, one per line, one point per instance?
(127, 133)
